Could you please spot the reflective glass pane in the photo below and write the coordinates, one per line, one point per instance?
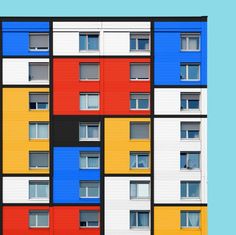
(82, 162)
(183, 104)
(42, 105)
(183, 72)
(193, 161)
(82, 131)
(93, 101)
(133, 190)
(32, 219)
(193, 104)
(92, 223)
(143, 219)
(32, 130)
(82, 42)
(133, 161)
(32, 105)
(133, 44)
(42, 130)
(93, 131)
(43, 219)
(32, 190)
(193, 43)
(183, 134)
(82, 190)
(92, 42)
(183, 43)
(93, 189)
(133, 103)
(143, 44)
(183, 160)
(183, 219)
(143, 161)
(193, 72)
(192, 134)
(143, 190)
(42, 190)
(83, 102)
(93, 162)
(194, 189)
(133, 221)
(143, 103)
(183, 189)
(193, 219)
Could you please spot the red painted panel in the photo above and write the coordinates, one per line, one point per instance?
(114, 86)
(63, 220)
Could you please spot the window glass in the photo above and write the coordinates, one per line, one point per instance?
(38, 219)
(38, 159)
(39, 41)
(89, 218)
(89, 71)
(139, 71)
(139, 130)
(193, 72)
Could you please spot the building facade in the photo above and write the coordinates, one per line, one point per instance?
(104, 125)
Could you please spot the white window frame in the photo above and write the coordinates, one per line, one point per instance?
(38, 168)
(87, 226)
(86, 126)
(187, 101)
(39, 33)
(87, 34)
(86, 156)
(140, 227)
(136, 161)
(38, 198)
(187, 36)
(37, 138)
(86, 100)
(187, 132)
(187, 73)
(137, 34)
(137, 100)
(87, 79)
(187, 215)
(187, 190)
(187, 159)
(137, 183)
(38, 93)
(86, 189)
(140, 79)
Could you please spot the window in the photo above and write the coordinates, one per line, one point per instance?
(38, 130)
(89, 160)
(89, 41)
(189, 72)
(38, 71)
(139, 41)
(38, 190)
(139, 219)
(139, 130)
(89, 219)
(89, 71)
(39, 41)
(139, 71)
(89, 189)
(89, 101)
(139, 189)
(190, 130)
(190, 219)
(89, 132)
(190, 42)
(139, 160)
(38, 101)
(38, 160)
(139, 101)
(189, 160)
(190, 189)
(38, 219)
(190, 101)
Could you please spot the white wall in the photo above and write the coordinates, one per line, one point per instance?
(113, 37)
(16, 190)
(118, 205)
(167, 101)
(167, 148)
(16, 71)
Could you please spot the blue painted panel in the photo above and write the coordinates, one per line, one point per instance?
(67, 175)
(15, 38)
(168, 56)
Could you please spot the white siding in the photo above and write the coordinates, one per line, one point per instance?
(113, 37)
(167, 101)
(16, 71)
(16, 190)
(118, 205)
(167, 148)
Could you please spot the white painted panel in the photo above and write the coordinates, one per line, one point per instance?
(16, 190)
(167, 148)
(167, 101)
(16, 71)
(77, 26)
(118, 205)
(114, 37)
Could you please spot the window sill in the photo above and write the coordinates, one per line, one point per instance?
(39, 227)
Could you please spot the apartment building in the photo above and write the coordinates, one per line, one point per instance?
(104, 125)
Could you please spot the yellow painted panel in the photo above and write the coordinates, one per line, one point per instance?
(16, 118)
(167, 220)
(118, 146)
